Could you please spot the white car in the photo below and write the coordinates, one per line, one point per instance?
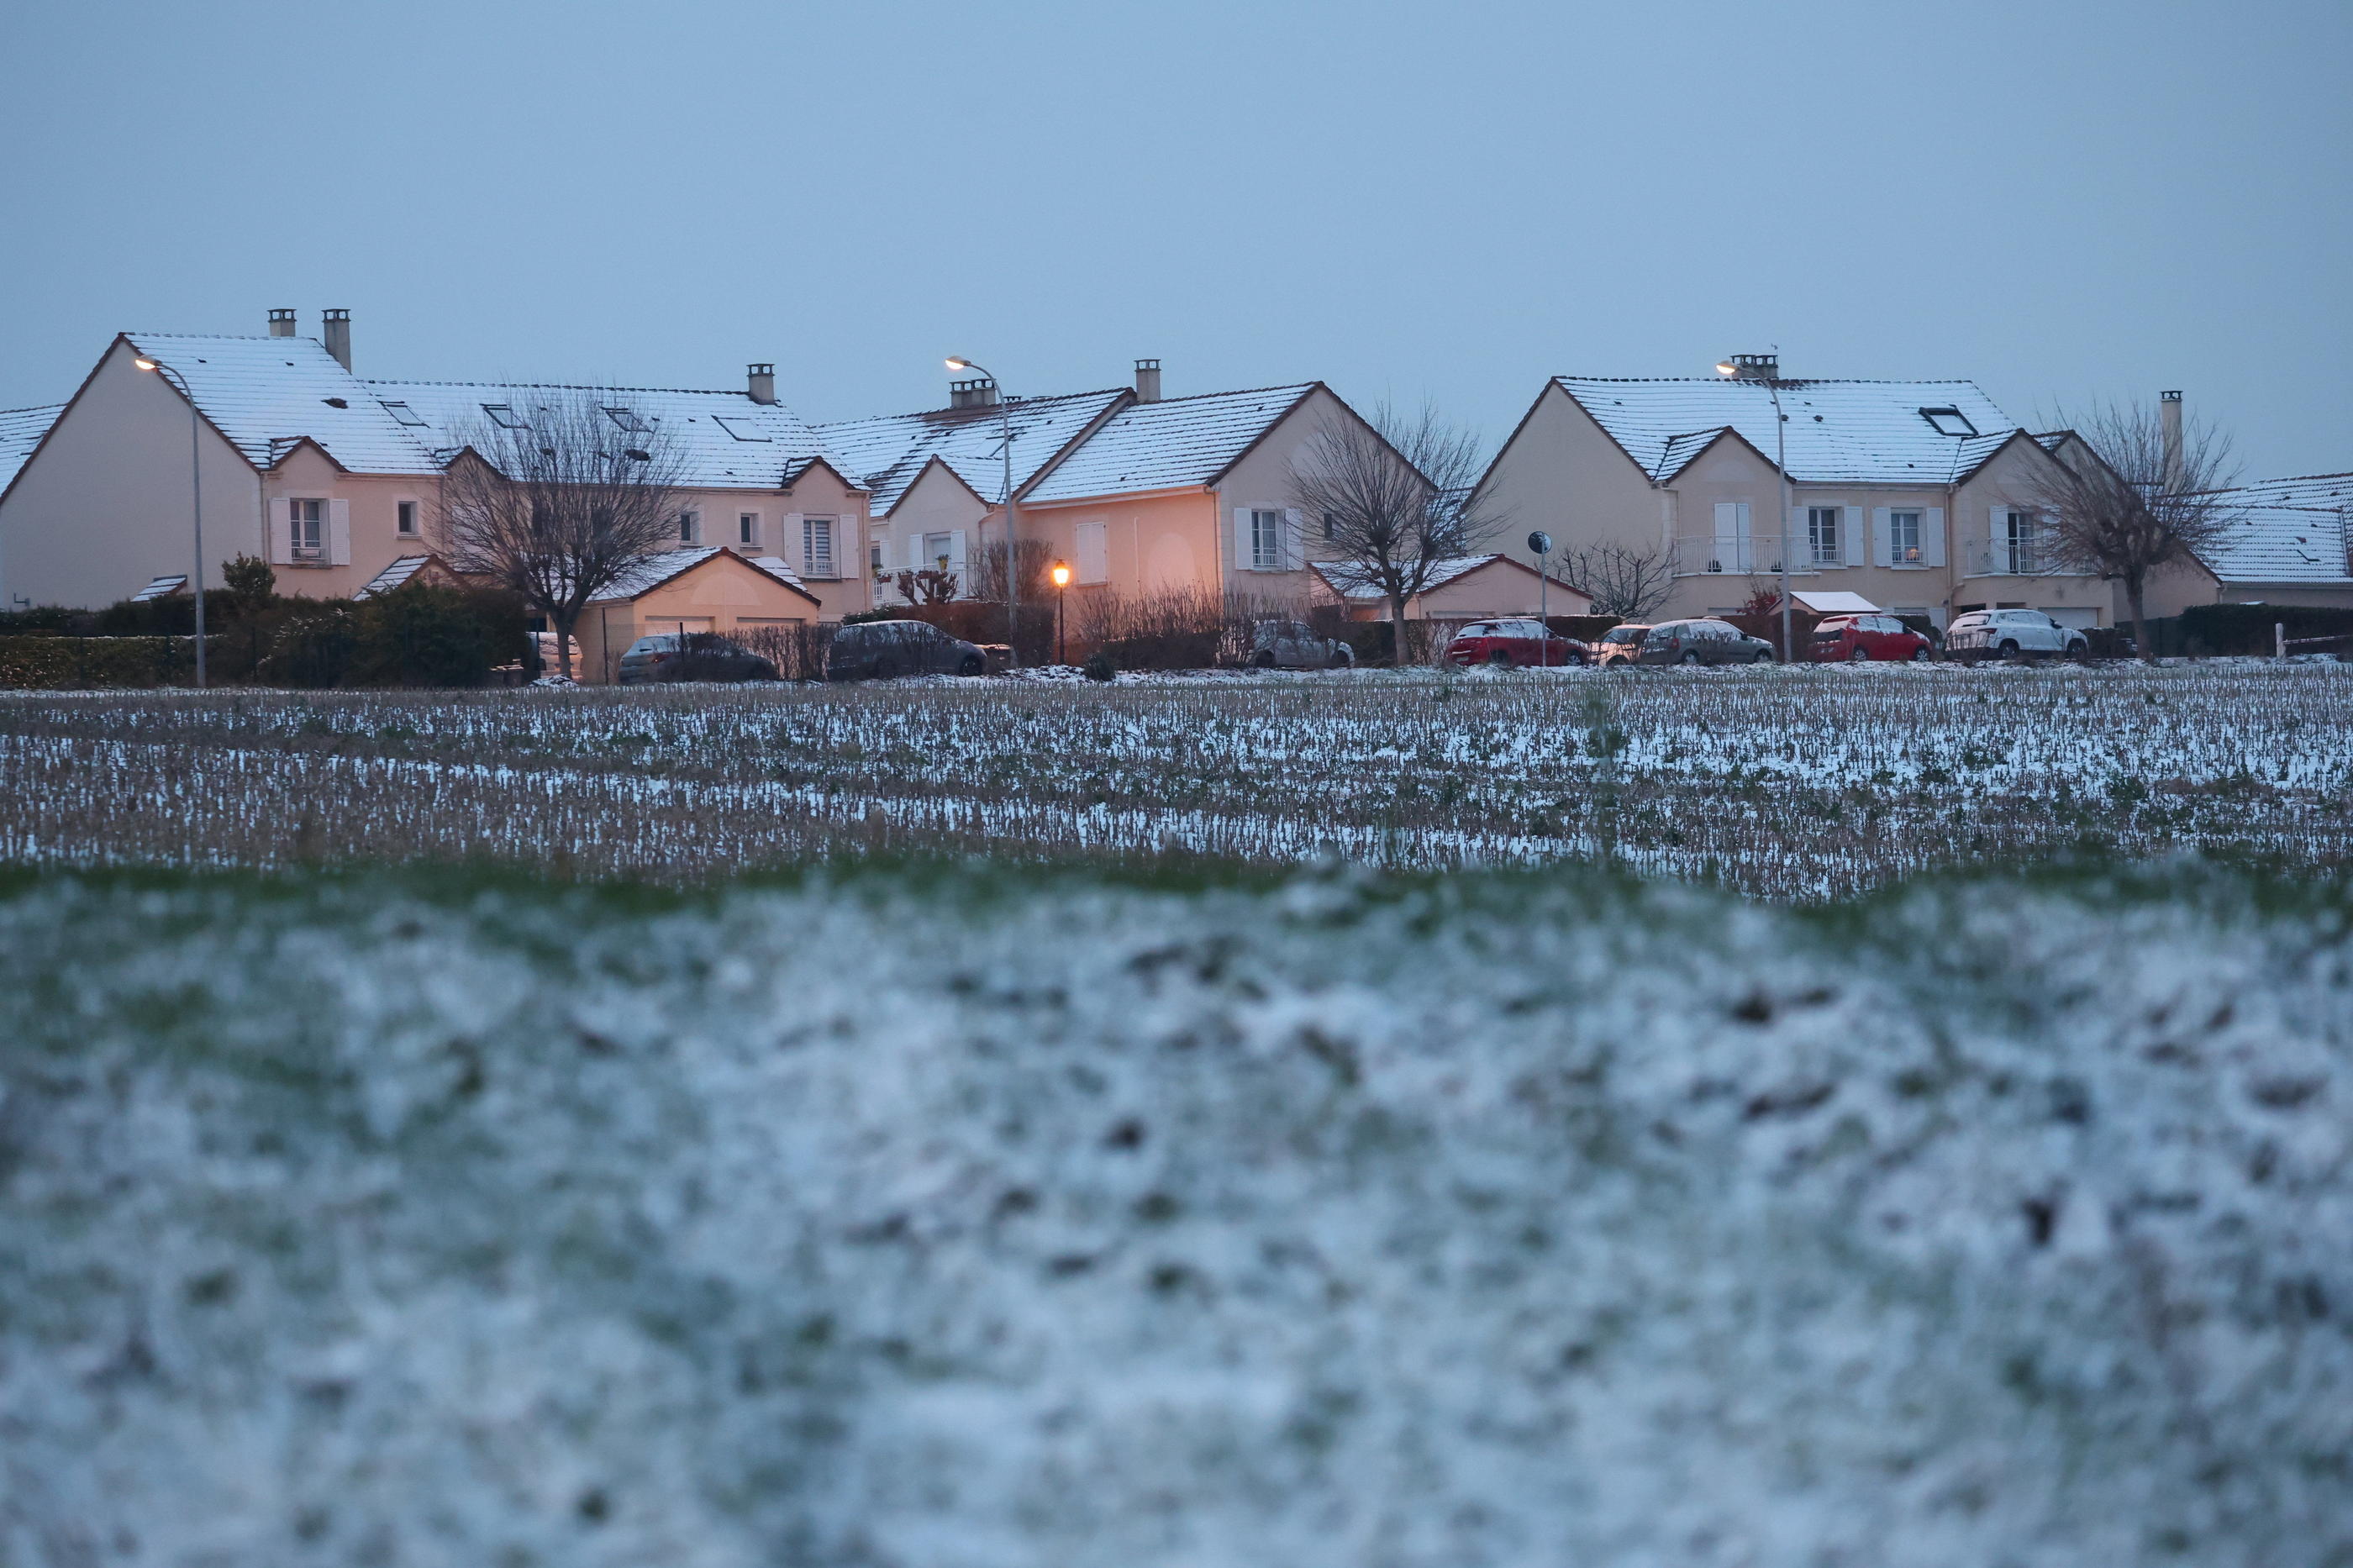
(2013, 633)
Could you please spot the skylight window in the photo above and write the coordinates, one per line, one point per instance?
(505, 417)
(743, 429)
(1948, 421)
(625, 419)
(405, 415)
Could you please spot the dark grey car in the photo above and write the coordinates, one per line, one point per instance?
(880, 650)
(690, 655)
(1706, 640)
(1295, 644)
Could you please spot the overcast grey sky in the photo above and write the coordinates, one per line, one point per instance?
(2060, 201)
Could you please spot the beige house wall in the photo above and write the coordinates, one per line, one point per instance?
(1499, 588)
(722, 596)
(1562, 473)
(937, 502)
(105, 506)
(1153, 544)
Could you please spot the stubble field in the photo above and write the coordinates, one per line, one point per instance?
(1801, 785)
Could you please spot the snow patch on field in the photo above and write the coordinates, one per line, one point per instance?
(1022, 1218)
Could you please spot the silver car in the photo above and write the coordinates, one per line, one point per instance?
(2013, 633)
(1295, 644)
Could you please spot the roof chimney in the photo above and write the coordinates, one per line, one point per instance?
(2169, 418)
(978, 393)
(1756, 367)
(336, 333)
(1147, 381)
(281, 324)
(760, 381)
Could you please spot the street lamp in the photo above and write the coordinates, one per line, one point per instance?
(196, 489)
(1012, 519)
(1769, 371)
(1062, 575)
(1540, 546)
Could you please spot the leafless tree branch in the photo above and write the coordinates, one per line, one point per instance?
(560, 508)
(1625, 582)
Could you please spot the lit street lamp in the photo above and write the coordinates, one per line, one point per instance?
(196, 489)
(1734, 367)
(1062, 575)
(1012, 522)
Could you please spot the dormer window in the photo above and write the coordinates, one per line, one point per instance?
(1948, 421)
(505, 417)
(625, 419)
(404, 414)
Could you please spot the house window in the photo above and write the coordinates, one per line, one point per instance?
(1266, 541)
(407, 513)
(939, 549)
(817, 545)
(625, 418)
(743, 429)
(1948, 421)
(1331, 528)
(1904, 538)
(747, 528)
(2021, 544)
(303, 520)
(504, 416)
(689, 527)
(1822, 535)
(404, 414)
(875, 558)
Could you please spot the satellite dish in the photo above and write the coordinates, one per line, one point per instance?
(1540, 542)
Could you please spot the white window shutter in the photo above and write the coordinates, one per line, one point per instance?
(956, 562)
(1996, 536)
(791, 543)
(1932, 536)
(1294, 540)
(1882, 536)
(282, 533)
(1851, 528)
(339, 534)
(915, 561)
(1093, 542)
(1244, 557)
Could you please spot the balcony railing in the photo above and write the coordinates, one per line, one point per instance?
(1756, 556)
(2013, 558)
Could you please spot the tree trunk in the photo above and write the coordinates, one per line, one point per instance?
(1396, 630)
(2133, 585)
(563, 619)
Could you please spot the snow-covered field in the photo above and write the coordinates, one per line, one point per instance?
(986, 1219)
(1802, 784)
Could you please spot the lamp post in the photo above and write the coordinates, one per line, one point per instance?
(1012, 521)
(1754, 367)
(1062, 575)
(1540, 546)
(197, 491)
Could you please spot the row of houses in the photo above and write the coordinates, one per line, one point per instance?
(1903, 493)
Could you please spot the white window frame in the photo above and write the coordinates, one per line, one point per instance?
(404, 519)
(817, 535)
(311, 552)
(689, 527)
(747, 529)
(1266, 529)
(2021, 533)
(1897, 553)
(1825, 548)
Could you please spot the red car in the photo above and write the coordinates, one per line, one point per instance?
(1863, 639)
(1516, 643)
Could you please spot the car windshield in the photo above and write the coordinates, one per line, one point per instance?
(1624, 634)
(664, 643)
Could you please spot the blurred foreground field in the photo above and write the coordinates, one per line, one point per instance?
(1799, 784)
(974, 1219)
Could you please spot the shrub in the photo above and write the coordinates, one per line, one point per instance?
(1099, 668)
(423, 635)
(38, 661)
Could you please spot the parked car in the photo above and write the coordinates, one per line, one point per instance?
(1705, 640)
(1621, 644)
(2013, 633)
(1862, 639)
(690, 655)
(1295, 644)
(879, 650)
(1518, 643)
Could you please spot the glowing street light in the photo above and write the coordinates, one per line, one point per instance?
(1062, 575)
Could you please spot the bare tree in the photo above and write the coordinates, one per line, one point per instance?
(988, 572)
(1395, 498)
(561, 506)
(2133, 492)
(1624, 581)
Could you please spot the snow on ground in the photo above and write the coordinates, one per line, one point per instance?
(997, 1219)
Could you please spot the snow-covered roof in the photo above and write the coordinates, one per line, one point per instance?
(1835, 602)
(1839, 432)
(654, 571)
(21, 430)
(889, 453)
(1350, 581)
(1169, 445)
(392, 576)
(2281, 544)
(160, 588)
(724, 440)
(267, 393)
(2327, 493)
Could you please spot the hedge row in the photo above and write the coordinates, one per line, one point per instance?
(37, 662)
